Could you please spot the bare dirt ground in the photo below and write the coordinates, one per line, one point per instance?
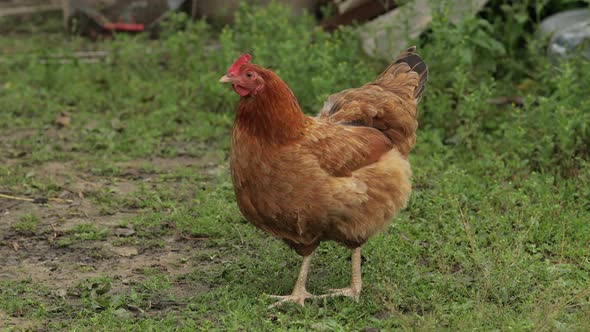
(40, 256)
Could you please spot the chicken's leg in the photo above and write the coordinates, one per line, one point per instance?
(356, 283)
(299, 293)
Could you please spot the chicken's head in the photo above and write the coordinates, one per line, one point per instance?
(244, 77)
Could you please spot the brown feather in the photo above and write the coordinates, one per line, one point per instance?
(310, 179)
(388, 103)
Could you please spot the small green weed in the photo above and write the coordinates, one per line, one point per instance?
(87, 232)
(25, 299)
(27, 224)
(82, 232)
(96, 294)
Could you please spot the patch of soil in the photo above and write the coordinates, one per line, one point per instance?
(210, 164)
(37, 255)
(19, 323)
(160, 164)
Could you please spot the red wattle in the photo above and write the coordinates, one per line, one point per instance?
(241, 91)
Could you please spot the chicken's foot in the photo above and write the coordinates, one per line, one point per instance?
(299, 293)
(356, 283)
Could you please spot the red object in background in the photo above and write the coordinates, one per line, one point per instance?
(120, 26)
(94, 17)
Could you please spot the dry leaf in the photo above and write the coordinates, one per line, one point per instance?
(63, 119)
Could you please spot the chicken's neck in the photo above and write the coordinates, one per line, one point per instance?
(273, 115)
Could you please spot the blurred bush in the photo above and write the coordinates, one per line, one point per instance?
(171, 83)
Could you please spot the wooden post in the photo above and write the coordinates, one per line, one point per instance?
(65, 8)
(194, 9)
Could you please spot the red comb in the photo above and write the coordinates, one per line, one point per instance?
(235, 67)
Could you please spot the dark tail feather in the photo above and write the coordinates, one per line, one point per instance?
(416, 64)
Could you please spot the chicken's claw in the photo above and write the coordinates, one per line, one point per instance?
(297, 297)
(351, 292)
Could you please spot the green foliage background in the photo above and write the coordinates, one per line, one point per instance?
(496, 235)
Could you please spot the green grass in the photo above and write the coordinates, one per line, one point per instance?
(24, 299)
(27, 224)
(495, 236)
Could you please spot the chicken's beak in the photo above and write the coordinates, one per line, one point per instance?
(225, 79)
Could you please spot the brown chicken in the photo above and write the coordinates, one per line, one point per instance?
(340, 176)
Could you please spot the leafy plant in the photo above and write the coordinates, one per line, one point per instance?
(95, 292)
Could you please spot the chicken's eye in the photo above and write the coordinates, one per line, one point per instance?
(249, 74)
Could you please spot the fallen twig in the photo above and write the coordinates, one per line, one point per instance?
(38, 200)
(64, 58)
(82, 57)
